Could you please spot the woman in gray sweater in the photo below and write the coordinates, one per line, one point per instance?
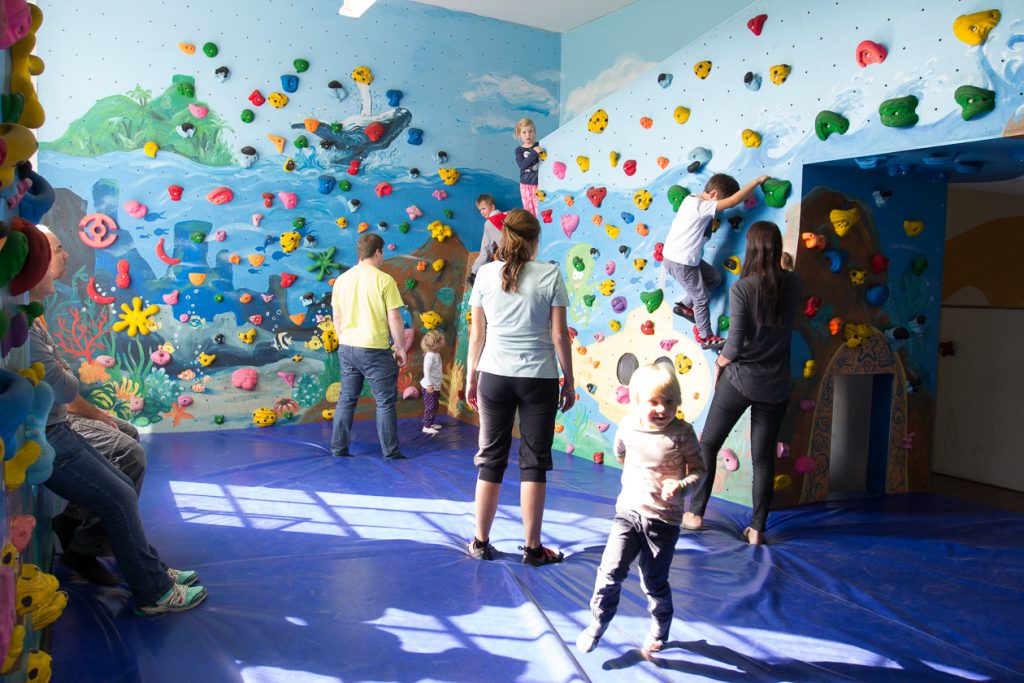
(752, 372)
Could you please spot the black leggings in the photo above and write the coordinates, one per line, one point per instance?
(727, 406)
(536, 401)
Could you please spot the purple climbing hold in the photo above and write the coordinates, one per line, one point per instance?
(619, 304)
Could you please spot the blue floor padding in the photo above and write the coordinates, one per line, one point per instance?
(328, 569)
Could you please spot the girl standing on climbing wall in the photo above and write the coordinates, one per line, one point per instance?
(528, 156)
(752, 372)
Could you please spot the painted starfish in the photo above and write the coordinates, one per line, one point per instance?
(178, 414)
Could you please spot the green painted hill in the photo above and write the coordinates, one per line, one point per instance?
(122, 123)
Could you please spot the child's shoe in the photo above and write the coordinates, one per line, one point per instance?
(436, 426)
(652, 643)
(686, 312)
(178, 599)
(588, 639)
(429, 431)
(711, 343)
(540, 556)
(183, 577)
(480, 550)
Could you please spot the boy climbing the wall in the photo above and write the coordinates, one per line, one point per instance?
(684, 251)
(492, 233)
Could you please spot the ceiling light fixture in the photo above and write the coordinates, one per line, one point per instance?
(355, 8)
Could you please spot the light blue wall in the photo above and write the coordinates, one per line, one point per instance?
(602, 56)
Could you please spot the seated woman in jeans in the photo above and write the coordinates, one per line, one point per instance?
(752, 372)
(518, 328)
(84, 477)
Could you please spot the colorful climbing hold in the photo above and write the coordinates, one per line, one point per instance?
(598, 121)
(583, 163)
(607, 287)
(776, 191)
(732, 264)
(629, 167)
(652, 300)
(752, 81)
(150, 149)
(288, 279)
(449, 176)
(779, 73)
(828, 122)
(187, 48)
(870, 52)
(646, 122)
(702, 68)
(247, 116)
(220, 195)
(642, 199)
(974, 28)
(664, 80)
(842, 220)
(974, 101)
(836, 259)
(750, 138)
(289, 83)
(756, 24)
(277, 100)
(290, 241)
(675, 195)
(918, 265)
(857, 277)
(394, 97)
(558, 168)
(876, 295)
(596, 195)
(257, 99)
(698, 156)
(899, 112)
(569, 224)
(913, 228)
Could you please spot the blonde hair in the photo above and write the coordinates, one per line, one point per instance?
(517, 245)
(654, 379)
(432, 341)
(523, 123)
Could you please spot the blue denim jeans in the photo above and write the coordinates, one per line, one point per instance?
(654, 541)
(377, 366)
(84, 477)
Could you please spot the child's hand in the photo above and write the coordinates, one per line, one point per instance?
(762, 178)
(669, 488)
(430, 388)
(689, 481)
(538, 149)
(621, 458)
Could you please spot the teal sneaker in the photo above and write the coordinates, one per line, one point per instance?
(183, 577)
(178, 599)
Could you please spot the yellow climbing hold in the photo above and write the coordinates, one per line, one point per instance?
(248, 336)
(342, 222)
(613, 158)
(615, 325)
(438, 265)
(612, 231)
(642, 199)
(640, 264)
(607, 287)
(150, 148)
(362, 74)
(681, 114)
(541, 195)
(136, 319)
(449, 176)
(913, 228)
(439, 231)
(431, 319)
(750, 138)
(779, 73)
(256, 260)
(842, 220)
(702, 68)
(598, 121)
(973, 28)
(290, 241)
(583, 163)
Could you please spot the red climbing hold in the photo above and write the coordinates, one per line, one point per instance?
(869, 52)
(375, 131)
(383, 189)
(812, 306)
(647, 327)
(353, 167)
(658, 251)
(629, 166)
(175, 192)
(757, 24)
(123, 279)
(256, 319)
(256, 98)
(268, 199)
(287, 279)
(596, 195)
(546, 215)
(879, 264)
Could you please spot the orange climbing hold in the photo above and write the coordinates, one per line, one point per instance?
(662, 162)
(256, 260)
(646, 122)
(298, 318)
(197, 278)
(278, 142)
(311, 124)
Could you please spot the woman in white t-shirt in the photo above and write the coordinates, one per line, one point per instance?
(518, 329)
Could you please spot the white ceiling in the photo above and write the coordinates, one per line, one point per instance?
(551, 15)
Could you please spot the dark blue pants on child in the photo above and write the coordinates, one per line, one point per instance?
(654, 542)
(698, 282)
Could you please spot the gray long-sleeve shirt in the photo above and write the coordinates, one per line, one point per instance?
(489, 243)
(42, 349)
(759, 355)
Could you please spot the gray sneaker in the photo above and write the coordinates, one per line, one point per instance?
(480, 550)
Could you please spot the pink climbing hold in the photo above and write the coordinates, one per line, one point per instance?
(667, 344)
(21, 531)
(410, 392)
(622, 395)
(221, 195)
(289, 199)
(781, 450)
(558, 168)
(383, 189)
(803, 464)
(256, 218)
(256, 319)
(750, 202)
(439, 195)
(160, 357)
(870, 52)
(288, 377)
(375, 131)
(729, 459)
(756, 25)
(267, 298)
(184, 318)
(245, 379)
(198, 111)
(135, 209)
(569, 448)
(185, 401)
(569, 224)
(171, 298)
(413, 211)
(609, 268)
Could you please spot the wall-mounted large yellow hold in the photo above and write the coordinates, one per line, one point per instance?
(290, 241)
(857, 277)
(642, 199)
(583, 163)
(598, 121)
(681, 114)
(449, 176)
(683, 364)
(613, 157)
(264, 417)
(277, 100)
(206, 359)
(779, 73)
(612, 231)
(439, 231)
(150, 149)
(702, 68)
(750, 138)
(913, 228)
(430, 319)
(438, 265)
(362, 74)
(640, 263)
(973, 28)
(342, 222)
(249, 336)
(540, 194)
(810, 367)
(607, 287)
(615, 325)
(842, 220)
(856, 334)
(25, 66)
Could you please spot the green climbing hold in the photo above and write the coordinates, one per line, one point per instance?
(32, 310)
(676, 194)
(198, 237)
(448, 213)
(218, 298)
(974, 101)
(301, 142)
(578, 263)
(300, 65)
(323, 263)
(775, 192)
(335, 127)
(652, 300)
(723, 323)
(299, 223)
(12, 256)
(588, 299)
(410, 283)
(344, 185)
(403, 227)
(210, 50)
(446, 296)
(918, 265)
(247, 116)
(899, 112)
(828, 122)
(218, 419)
(187, 89)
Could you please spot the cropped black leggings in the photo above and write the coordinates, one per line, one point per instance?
(500, 398)
(727, 406)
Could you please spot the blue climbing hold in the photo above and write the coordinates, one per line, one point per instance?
(900, 169)
(394, 97)
(699, 156)
(627, 217)
(836, 259)
(664, 80)
(325, 184)
(289, 83)
(752, 81)
(877, 295)
(415, 136)
(874, 161)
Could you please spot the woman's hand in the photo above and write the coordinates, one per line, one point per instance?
(669, 488)
(471, 393)
(567, 397)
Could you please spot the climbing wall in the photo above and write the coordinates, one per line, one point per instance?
(783, 86)
(214, 168)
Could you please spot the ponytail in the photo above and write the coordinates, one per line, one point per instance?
(519, 235)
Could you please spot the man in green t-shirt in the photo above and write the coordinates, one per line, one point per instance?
(367, 306)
